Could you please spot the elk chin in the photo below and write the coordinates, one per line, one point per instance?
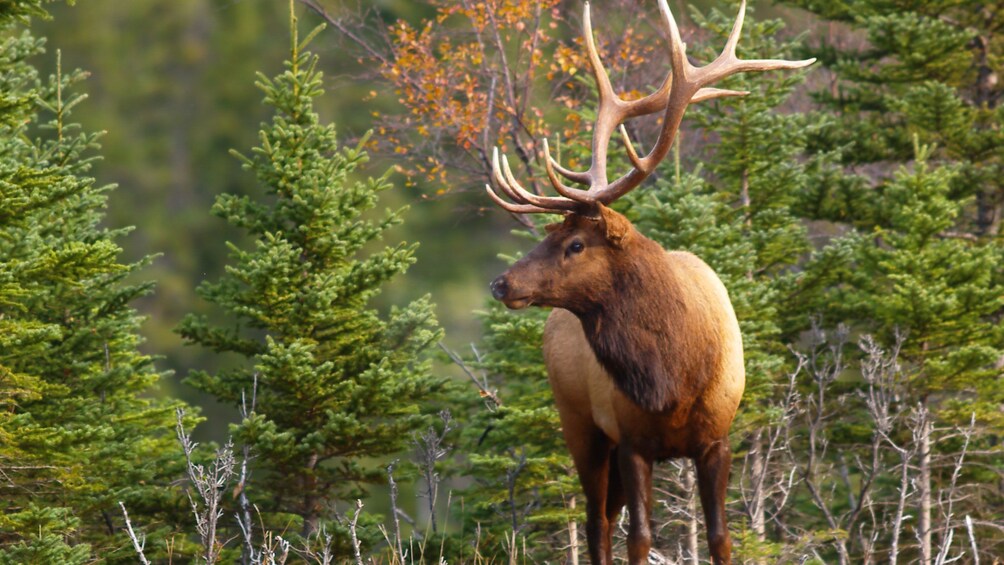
(518, 303)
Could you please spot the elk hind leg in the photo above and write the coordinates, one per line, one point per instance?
(615, 490)
(712, 480)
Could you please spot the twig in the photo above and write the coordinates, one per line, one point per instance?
(394, 510)
(430, 451)
(249, 556)
(972, 540)
(137, 543)
(209, 484)
(352, 531)
(493, 400)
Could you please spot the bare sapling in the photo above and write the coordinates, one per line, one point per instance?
(430, 450)
(210, 483)
(138, 540)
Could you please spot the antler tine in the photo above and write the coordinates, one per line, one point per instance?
(632, 154)
(728, 63)
(713, 93)
(574, 176)
(500, 180)
(546, 202)
(606, 89)
(677, 48)
(514, 208)
(689, 85)
(609, 114)
(737, 30)
(525, 201)
(550, 165)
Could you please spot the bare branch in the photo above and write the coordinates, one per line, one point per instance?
(138, 542)
(492, 401)
(352, 532)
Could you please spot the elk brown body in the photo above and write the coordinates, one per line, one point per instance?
(643, 349)
(644, 356)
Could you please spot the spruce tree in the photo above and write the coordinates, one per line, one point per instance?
(339, 385)
(525, 488)
(926, 68)
(916, 123)
(79, 429)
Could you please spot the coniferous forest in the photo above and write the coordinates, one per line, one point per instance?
(245, 251)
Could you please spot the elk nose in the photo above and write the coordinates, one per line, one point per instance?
(499, 288)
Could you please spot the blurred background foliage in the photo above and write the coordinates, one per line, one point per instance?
(170, 82)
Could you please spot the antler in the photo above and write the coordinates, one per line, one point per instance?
(686, 84)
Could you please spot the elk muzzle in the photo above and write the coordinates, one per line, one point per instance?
(503, 292)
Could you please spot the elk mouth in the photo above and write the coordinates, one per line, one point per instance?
(518, 303)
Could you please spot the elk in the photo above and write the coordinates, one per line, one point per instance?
(642, 348)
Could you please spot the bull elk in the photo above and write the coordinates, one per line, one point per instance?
(643, 349)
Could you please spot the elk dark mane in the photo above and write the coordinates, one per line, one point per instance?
(628, 332)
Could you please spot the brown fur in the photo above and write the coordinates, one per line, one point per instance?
(645, 359)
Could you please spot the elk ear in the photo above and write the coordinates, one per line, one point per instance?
(618, 228)
(551, 228)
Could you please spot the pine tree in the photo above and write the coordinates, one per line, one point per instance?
(926, 68)
(917, 113)
(79, 429)
(339, 386)
(525, 487)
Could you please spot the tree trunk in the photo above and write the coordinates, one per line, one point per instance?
(573, 537)
(311, 517)
(758, 481)
(693, 557)
(988, 201)
(924, 492)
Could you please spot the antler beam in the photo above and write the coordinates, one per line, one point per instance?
(685, 85)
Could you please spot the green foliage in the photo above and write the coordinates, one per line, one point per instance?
(79, 429)
(24, 10)
(916, 128)
(940, 291)
(927, 69)
(47, 532)
(338, 385)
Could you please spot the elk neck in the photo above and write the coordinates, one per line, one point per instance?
(630, 326)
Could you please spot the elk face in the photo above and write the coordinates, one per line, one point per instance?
(571, 268)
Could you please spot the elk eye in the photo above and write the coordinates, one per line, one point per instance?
(576, 247)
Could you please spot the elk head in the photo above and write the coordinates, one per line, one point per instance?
(572, 267)
(574, 260)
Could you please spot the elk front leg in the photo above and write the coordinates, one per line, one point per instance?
(712, 480)
(636, 478)
(591, 454)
